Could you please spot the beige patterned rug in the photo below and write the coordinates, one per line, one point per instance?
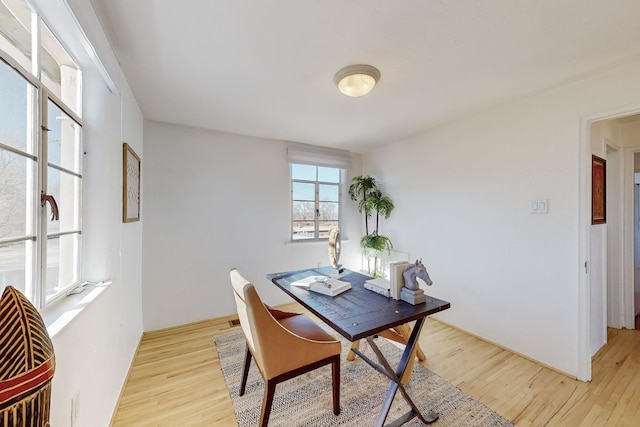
(306, 400)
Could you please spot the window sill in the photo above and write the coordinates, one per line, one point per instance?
(61, 313)
(312, 242)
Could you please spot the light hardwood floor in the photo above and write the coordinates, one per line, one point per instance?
(175, 379)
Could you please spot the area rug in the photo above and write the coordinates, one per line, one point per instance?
(306, 400)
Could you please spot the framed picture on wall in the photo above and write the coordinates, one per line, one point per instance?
(130, 185)
(598, 190)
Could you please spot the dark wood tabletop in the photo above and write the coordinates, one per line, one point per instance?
(358, 312)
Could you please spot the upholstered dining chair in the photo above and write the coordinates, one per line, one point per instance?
(283, 345)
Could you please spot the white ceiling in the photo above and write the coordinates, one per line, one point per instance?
(265, 68)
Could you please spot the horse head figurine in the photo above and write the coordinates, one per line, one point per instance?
(413, 272)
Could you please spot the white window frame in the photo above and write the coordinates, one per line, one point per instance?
(319, 157)
(37, 214)
(317, 219)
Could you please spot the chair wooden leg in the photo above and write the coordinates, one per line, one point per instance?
(245, 372)
(398, 334)
(405, 332)
(401, 335)
(407, 373)
(267, 400)
(351, 356)
(335, 384)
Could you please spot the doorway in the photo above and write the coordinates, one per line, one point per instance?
(607, 285)
(614, 247)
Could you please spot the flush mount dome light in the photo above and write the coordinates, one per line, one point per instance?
(356, 80)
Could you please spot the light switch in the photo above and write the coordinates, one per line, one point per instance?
(540, 206)
(534, 207)
(543, 206)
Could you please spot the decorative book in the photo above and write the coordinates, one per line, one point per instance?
(323, 285)
(395, 275)
(379, 286)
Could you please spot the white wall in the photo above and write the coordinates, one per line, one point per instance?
(463, 194)
(214, 201)
(94, 351)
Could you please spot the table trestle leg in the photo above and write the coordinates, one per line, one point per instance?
(396, 383)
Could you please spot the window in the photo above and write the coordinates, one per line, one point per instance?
(40, 159)
(315, 201)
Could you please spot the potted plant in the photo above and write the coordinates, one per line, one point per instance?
(365, 190)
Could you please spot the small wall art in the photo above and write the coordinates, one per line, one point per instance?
(130, 184)
(598, 190)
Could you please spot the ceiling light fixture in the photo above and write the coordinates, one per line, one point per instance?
(356, 80)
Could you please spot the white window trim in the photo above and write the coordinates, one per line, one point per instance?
(37, 295)
(322, 157)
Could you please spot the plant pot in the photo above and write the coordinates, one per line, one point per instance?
(372, 263)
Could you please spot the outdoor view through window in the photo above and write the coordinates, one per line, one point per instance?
(315, 201)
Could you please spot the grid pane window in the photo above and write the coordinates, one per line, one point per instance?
(15, 186)
(40, 159)
(315, 201)
(61, 267)
(329, 174)
(13, 264)
(62, 137)
(18, 180)
(16, 103)
(303, 172)
(65, 189)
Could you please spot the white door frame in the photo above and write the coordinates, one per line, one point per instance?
(584, 245)
(584, 224)
(616, 216)
(628, 304)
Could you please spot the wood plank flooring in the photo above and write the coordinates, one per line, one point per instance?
(175, 379)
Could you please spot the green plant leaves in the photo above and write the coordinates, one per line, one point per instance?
(365, 190)
(374, 244)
